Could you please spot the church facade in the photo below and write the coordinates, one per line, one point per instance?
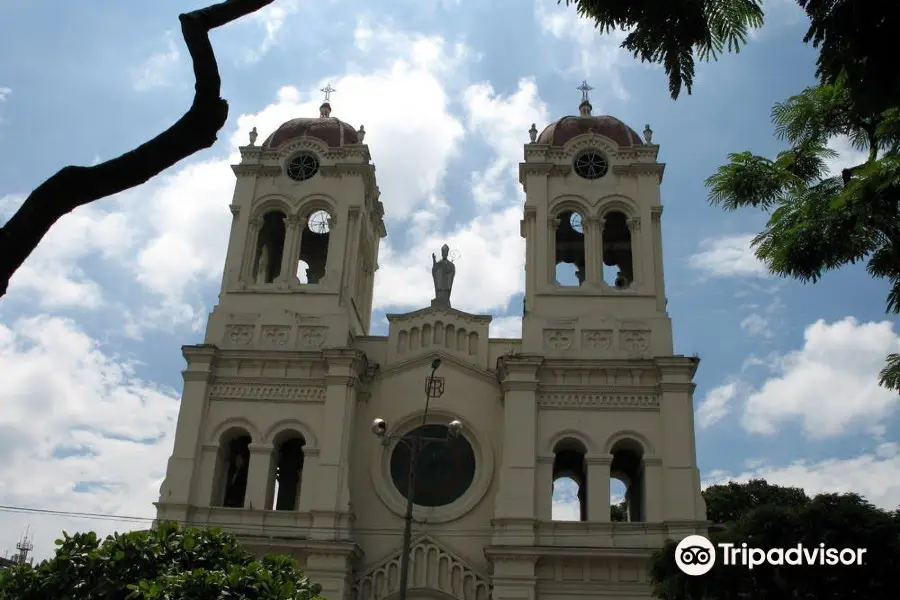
(276, 435)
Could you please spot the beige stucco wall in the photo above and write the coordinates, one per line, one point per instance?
(594, 365)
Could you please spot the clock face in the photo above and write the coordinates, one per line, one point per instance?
(318, 222)
(576, 222)
(591, 164)
(445, 469)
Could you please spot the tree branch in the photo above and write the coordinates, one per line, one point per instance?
(75, 186)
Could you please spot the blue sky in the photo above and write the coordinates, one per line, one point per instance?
(447, 89)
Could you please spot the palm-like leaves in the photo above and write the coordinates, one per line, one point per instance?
(671, 32)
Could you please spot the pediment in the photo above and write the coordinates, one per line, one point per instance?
(454, 332)
(432, 567)
(447, 359)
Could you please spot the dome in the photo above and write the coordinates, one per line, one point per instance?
(560, 132)
(330, 130)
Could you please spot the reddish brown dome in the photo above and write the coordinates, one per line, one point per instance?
(560, 132)
(333, 132)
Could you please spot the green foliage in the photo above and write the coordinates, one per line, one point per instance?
(164, 563)
(766, 517)
(672, 32)
(823, 221)
(618, 513)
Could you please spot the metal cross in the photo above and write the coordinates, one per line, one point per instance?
(327, 90)
(584, 88)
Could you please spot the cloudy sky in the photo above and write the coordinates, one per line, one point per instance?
(91, 328)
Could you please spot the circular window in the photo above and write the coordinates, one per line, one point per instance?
(591, 164)
(302, 167)
(318, 222)
(445, 469)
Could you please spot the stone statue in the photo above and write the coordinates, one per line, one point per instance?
(442, 271)
(253, 136)
(532, 133)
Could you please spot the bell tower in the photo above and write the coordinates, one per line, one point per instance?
(593, 240)
(303, 248)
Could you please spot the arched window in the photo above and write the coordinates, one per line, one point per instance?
(314, 247)
(618, 262)
(569, 489)
(269, 248)
(570, 249)
(232, 467)
(627, 469)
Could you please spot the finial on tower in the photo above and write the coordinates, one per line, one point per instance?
(648, 134)
(532, 133)
(325, 109)
(585, 107)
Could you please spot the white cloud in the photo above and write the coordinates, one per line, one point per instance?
(830, 385)
(715, 405)
(159, 70)
(506, 327)
(595, 54)
(272, 19)
(4, 93)
(490, 269)
(756, 324)
(874, 475)
(51, 277)
(728, 256)
(848, 156)
(101, 428)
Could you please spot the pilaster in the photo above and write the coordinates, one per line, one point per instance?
(514, 578)
(183, 462)
(290, 256)
(259, 473)
(333, 571)
(598, 487)
(654, 490)
(516, 493)
(343, 369)
(593, 238)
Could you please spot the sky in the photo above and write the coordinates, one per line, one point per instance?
(91, 329)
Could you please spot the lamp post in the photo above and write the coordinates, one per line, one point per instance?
(434, 388)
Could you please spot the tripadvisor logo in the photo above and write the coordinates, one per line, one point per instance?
(696, 555)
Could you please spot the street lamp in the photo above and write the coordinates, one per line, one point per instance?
(434, 388)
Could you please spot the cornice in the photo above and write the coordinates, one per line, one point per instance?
(256, 170)
(275, 389)
(672, 386)
(600, 401)
(425, 359)
(438, 310)
(637, 169)
(539, 552)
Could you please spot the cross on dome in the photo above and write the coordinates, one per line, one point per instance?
(584, 88)
(327, 91)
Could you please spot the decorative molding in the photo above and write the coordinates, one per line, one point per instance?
(275, 335)
(239, 335)
(437, 569)
(638, 169)
(274, 390)
(655, 213)
(597, 339)
(634, 341)
(558, 339)
(572, 400)
(311, 337)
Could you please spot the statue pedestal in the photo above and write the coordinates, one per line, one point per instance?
(436, 303)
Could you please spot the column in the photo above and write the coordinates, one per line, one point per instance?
(550, 255)
(182, 468)
(334, 258)
(528, 230)
(290, 255)
(232, 257)
(637, 251)
(593, 249)
(653, 490)
(258, 474)
(598, 487)
(248, 276)
(515, 500)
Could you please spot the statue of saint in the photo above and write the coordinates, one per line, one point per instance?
(442, 271)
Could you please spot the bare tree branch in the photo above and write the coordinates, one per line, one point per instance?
(75, 186)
